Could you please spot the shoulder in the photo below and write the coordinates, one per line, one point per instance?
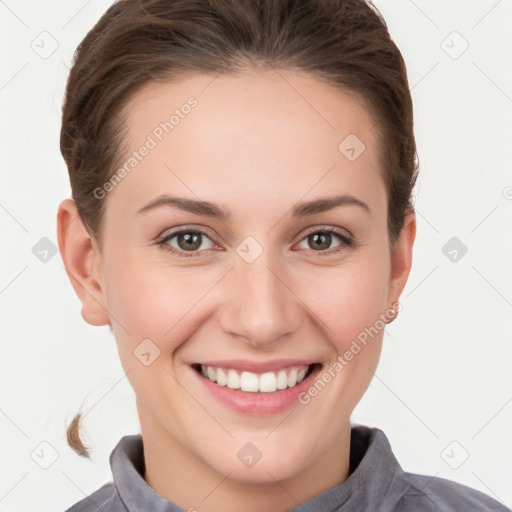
(427, 493)
(105, 499)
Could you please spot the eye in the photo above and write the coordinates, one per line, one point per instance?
(190, 242)
(187, 241)
(321, 239)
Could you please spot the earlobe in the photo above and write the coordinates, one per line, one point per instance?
(401, 258)
(82, 262)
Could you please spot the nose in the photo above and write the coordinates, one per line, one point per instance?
(261, 307)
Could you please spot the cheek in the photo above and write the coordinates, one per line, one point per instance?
(140, 299)
(348, 300)
(149, 300)
(149, 305)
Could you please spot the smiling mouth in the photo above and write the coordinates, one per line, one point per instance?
(268, 382)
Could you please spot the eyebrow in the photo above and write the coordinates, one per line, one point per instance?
(210, 209)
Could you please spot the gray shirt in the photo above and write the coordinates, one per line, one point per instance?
(376, 483)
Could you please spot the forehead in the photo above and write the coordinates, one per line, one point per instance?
(264, 94)
(259, 131)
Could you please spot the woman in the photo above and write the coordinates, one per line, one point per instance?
(243, 172)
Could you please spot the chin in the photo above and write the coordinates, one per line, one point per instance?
(253, 466)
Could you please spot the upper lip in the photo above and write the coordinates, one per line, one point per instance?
(257, 366)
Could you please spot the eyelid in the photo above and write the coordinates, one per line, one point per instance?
(334, 229)
(195, 228)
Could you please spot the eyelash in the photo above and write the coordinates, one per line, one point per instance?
(346, 240)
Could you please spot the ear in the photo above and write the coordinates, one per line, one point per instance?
(82, 261)
(401, 258)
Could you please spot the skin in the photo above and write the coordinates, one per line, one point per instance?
(256, 147)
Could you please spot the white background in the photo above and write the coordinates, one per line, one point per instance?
(445, 373)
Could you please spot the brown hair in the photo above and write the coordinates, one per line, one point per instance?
(344, 43)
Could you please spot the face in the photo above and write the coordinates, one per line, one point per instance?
(269, 296)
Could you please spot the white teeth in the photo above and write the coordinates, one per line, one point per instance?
(233, 381)
(249, 382)
(211, 374)
(282, 380)
(292, 378)
(268, 382)
(222, 378)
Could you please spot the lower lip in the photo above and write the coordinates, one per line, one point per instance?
(258, 403)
